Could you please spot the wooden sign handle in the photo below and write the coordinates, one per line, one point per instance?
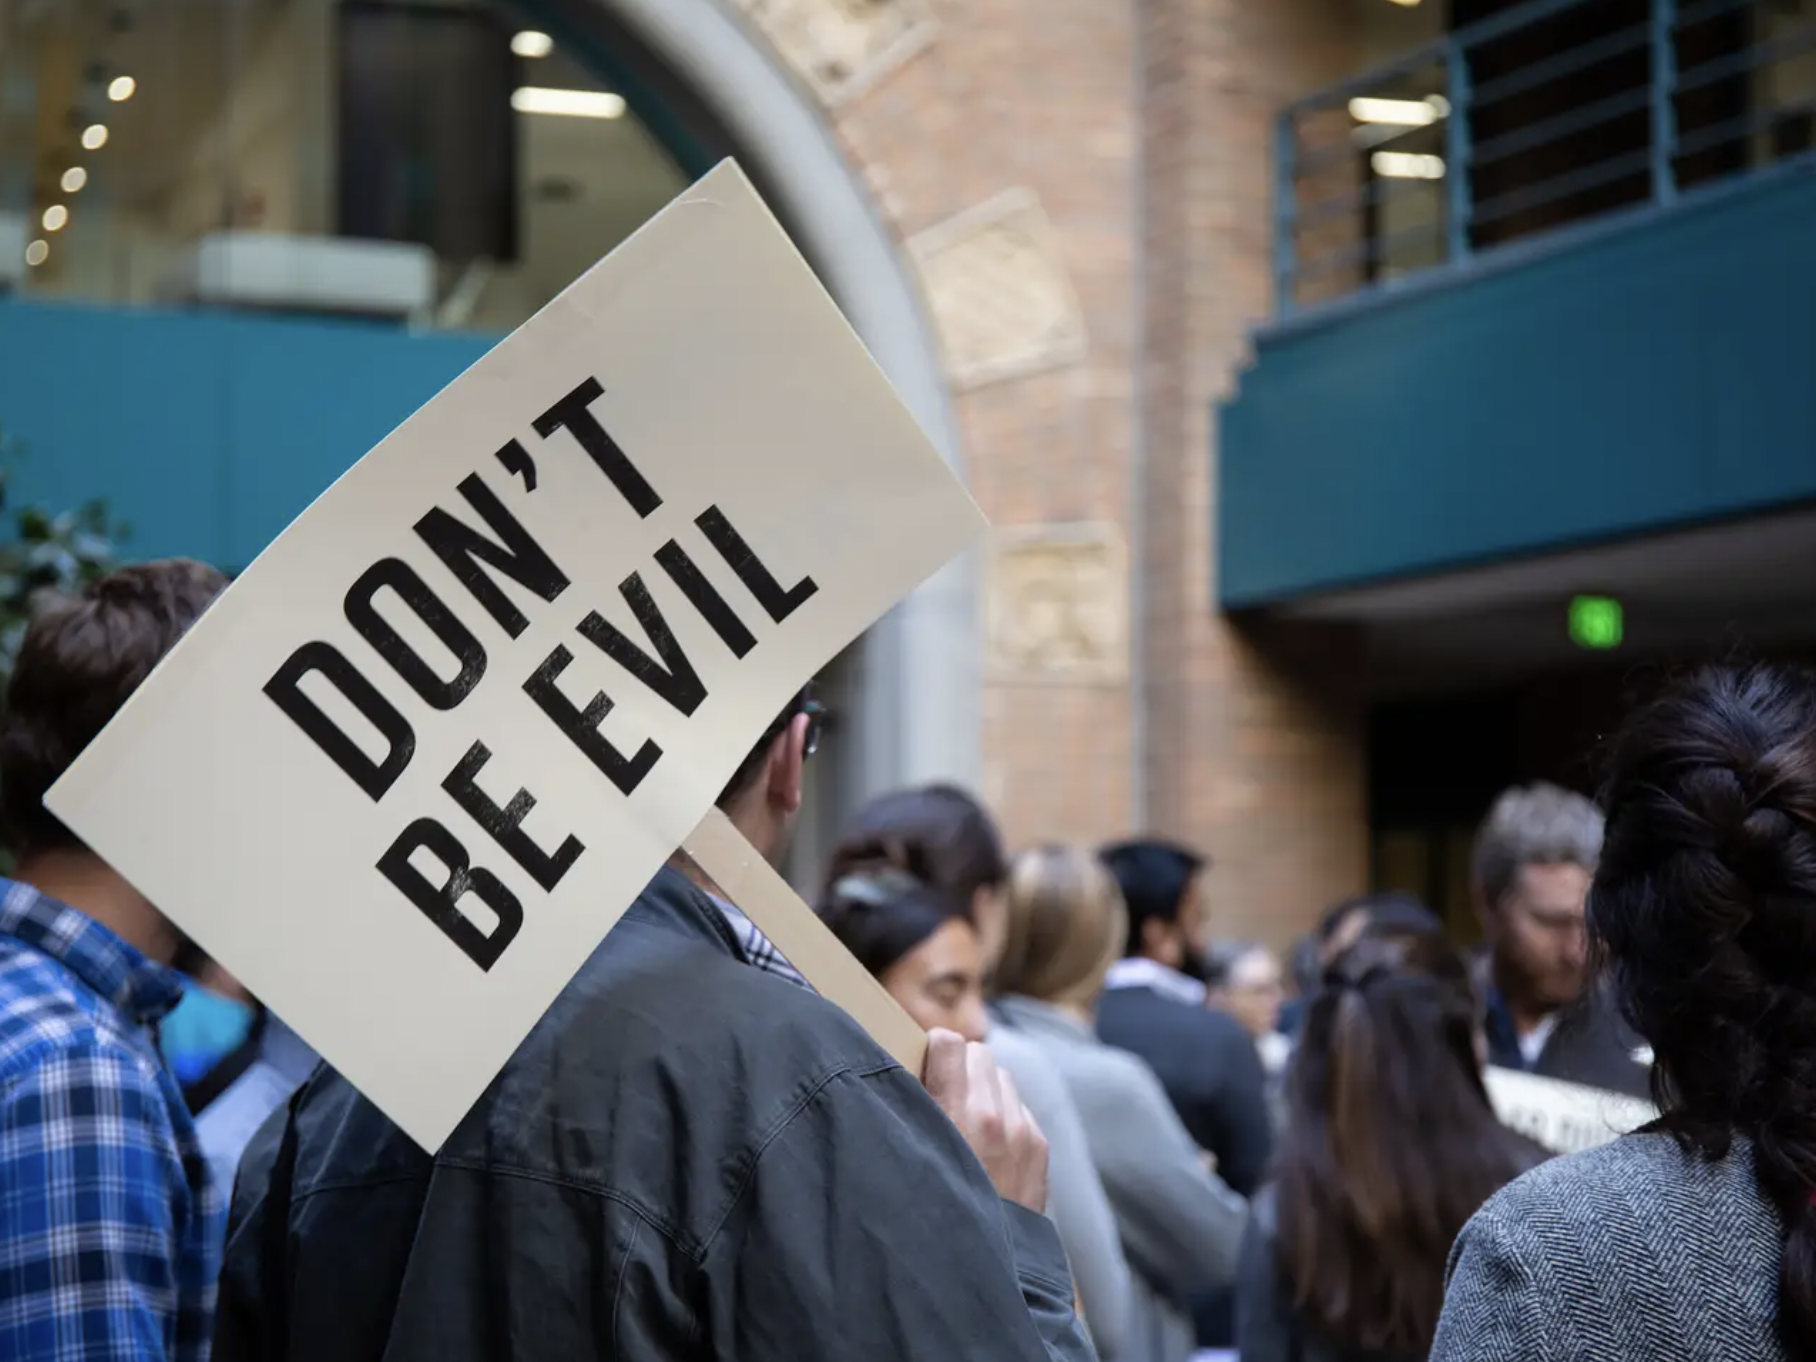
(749, 881)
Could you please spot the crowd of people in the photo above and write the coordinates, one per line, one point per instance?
(1131, 1139)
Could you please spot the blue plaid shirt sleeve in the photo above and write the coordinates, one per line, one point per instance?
(90, 1189)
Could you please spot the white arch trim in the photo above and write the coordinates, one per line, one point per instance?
(921, 668)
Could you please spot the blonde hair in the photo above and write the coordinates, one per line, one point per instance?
(1067, 922)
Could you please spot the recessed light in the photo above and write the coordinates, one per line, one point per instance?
(94, 136)
(1403, 113)
(37, 253)
(533, 99)
(73, 179)
(54, 217)
(532, 44)
(120, 88)
(1407, 165)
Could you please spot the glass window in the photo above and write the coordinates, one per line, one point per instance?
(446, 164)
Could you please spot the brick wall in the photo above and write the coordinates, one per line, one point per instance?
(1254, 736)
(1084, 187)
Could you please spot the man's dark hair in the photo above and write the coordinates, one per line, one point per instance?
(752, 765)
(949, 837)
(1153, 876)
(81, 657)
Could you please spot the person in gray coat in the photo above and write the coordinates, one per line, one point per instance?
(1695, 1239)
(947, 840)
(1181, 1226)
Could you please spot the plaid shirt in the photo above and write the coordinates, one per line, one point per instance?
(109, 1225)
(760, 950)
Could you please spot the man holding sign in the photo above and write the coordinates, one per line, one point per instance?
(689, 1158)
(437, 740)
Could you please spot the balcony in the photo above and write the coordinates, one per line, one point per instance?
(1544, 283)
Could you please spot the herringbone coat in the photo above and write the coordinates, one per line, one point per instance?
(1634, 1252)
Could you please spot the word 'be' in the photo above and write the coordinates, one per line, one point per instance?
(468, 553)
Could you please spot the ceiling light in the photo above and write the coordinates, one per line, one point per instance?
(1401, 113)
(73, 179)
(94, 136)
(532, 99)
(1406, 165)
(54, 217)
(532, 44)
(1408, 3)
(37, 253)
(120, 88)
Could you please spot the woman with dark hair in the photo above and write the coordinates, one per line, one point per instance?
(916, 945)
(1391, 1144)
(953, 841)
(1695, 1238)
(948, 842)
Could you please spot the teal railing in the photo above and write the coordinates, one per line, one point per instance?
(1532, 119)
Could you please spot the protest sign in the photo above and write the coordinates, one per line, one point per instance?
(1565, 1117)
(403, 777)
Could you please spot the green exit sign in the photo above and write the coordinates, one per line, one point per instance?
(1596, 623)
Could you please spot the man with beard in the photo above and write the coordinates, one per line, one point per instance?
(1534, 857)
(111, 1232)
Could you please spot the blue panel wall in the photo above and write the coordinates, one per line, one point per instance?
(1642, 378)
(206, 432)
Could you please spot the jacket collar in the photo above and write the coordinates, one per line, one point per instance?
(141, 989)
(675, 903)
(1042, 1019)
(1137, 971)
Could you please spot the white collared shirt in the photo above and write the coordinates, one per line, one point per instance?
(1137, 971)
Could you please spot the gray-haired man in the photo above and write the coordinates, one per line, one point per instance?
(1534, 857)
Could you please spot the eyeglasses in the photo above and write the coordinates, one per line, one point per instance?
(817, 717)
(817, 714)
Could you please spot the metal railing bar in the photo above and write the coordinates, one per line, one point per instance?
(1371, 249)
(1692, 15)
(1562, 186)
(1435, 53)
(1379, 191)
(1337, 152)
(1577, 59)
(1792, 44)
(1664, 102)
(1549, 130)
(1511, 21)
(1286, 211)
(1703, 139)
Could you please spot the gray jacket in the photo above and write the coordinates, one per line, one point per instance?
(1076, 1201)
(1181, 1226)
(1634, 1250)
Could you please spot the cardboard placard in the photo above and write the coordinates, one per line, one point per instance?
(1565, 1117)
(404, 776)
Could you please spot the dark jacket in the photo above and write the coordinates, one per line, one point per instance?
(687, 1158)
(1589, 1045)
(1211, 1072)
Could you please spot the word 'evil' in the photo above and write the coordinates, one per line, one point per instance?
(467, 553)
